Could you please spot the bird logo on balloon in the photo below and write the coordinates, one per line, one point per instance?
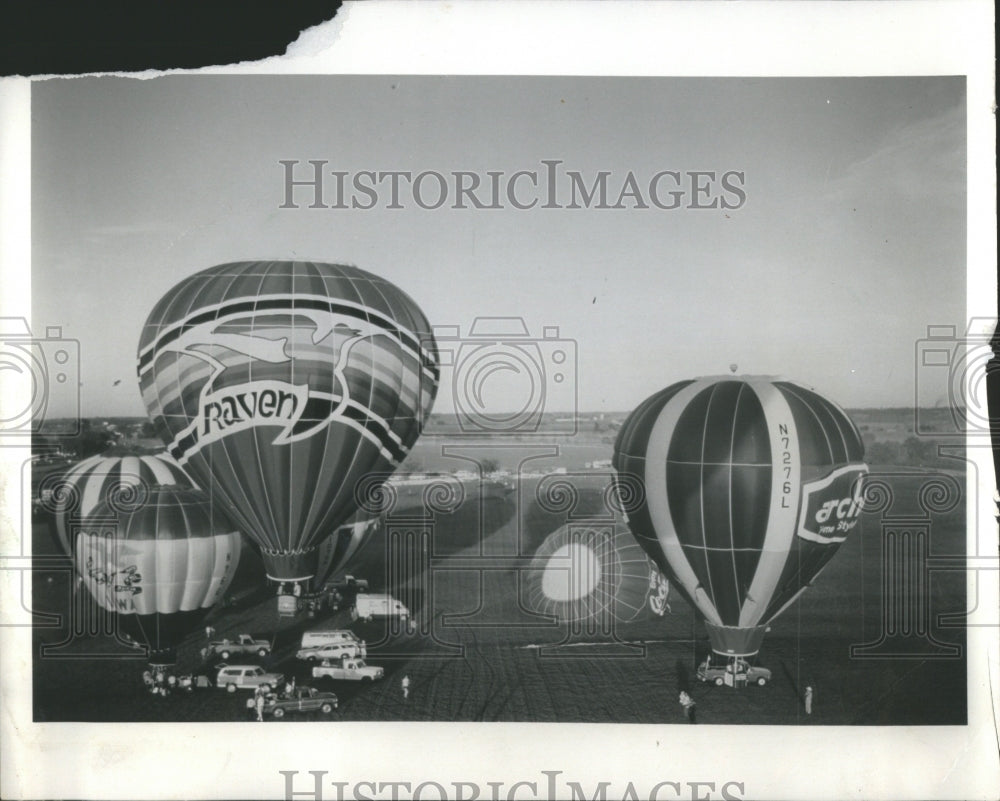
(299, 407)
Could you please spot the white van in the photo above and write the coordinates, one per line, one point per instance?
(368, 606)
(331, 644)
(310, 639)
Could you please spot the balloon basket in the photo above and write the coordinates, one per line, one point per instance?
(162, 659)
(735, 679)
(288, 606)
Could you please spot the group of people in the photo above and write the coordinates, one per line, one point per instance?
(262, 697)
(162, 683)
(159, 683)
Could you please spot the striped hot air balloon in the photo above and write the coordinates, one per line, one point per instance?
(337, 550)
(85, 486)
(159, 563)
(741, 489)
(592, 571)
(283, 387)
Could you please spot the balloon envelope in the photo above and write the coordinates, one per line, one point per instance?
(159, 566)
(102, 478)
(280, 386)
(336, 552)
(590, 571)
(741, 490)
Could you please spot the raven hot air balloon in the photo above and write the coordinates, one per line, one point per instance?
(593, 571)
(158, 562)
(741, 489)
(283, 386)
(78, 492)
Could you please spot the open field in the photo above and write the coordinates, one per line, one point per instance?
(476, 654)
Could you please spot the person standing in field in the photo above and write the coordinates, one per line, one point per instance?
(405, 684)
(259, 703)
(687, 702)
(809, 700)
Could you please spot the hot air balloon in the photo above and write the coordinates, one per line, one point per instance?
(593, 571)
(280, 386)
(334, 555)
(741, 490)
(337, 551)
(158, 563)
(78, 492)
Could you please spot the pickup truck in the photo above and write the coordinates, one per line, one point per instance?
(244, 644)
(302, 699)
(349, 670)
(740, 673)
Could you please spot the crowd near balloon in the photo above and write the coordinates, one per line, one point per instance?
(279, 388)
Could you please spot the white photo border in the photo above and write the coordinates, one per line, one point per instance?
(224, 760)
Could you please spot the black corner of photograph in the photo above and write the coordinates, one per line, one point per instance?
(66, 38)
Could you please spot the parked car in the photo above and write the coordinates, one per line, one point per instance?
(301, 699)
(349, 670)
(331, 644)
(369, 605)
(343, 650)
(243, 644)
(319, 637)
(246, 677)
(740, 672)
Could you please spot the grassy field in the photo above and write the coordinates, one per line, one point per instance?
(476, 654)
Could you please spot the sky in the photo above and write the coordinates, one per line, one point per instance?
(850, 243)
